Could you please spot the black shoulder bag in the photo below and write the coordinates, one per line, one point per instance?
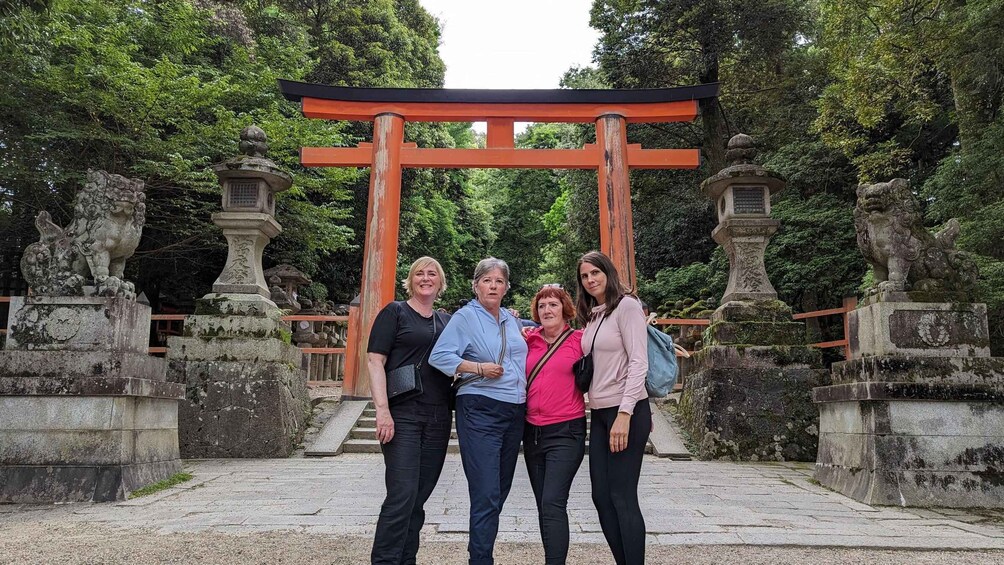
(406, 381)
(583, 368)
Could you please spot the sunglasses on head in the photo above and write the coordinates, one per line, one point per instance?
(551, 285)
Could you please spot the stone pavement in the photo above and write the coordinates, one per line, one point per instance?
(684, 502)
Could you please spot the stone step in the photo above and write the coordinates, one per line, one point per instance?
(336, 430)
(362, 438)
(373, 446)
(365, 432)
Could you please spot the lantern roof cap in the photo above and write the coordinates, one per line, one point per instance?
(252, 162)
(742, 170)
(287, 272)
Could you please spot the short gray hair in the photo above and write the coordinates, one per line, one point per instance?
(485, 266)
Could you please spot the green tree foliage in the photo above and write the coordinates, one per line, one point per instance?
(159, 91)
(917, 91)
(771, 72)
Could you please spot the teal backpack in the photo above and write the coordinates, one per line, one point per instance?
(662, 366)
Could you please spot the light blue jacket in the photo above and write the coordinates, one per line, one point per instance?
(473, 335)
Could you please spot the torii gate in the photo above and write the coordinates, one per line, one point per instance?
(389, 108)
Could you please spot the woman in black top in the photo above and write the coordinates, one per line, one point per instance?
(413, 428)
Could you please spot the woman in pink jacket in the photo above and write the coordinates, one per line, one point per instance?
(554, 437)
(621, 419)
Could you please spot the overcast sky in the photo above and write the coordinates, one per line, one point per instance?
(512, 43)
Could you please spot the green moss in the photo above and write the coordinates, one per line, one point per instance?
(210, 307)
(755, 333)
(167, 483)
(285, 336)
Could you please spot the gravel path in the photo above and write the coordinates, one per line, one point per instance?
(81, 543)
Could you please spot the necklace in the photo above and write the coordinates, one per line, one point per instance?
(549, 339)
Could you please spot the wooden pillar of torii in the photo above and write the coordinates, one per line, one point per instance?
(389, 108)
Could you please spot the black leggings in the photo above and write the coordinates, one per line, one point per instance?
(614, 478)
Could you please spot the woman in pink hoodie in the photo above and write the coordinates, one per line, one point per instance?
(621, 419)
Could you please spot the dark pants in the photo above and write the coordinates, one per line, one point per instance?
(614, 478)
(414, 460)
(553, 454)
(489, 432)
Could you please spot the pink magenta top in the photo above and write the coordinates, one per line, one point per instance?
(552, 397)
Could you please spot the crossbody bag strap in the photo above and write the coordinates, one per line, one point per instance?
(421, 359)
(593, 344)
(547, 356)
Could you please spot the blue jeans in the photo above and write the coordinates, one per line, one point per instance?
(414, 460)
(553, 454)
(489, 431)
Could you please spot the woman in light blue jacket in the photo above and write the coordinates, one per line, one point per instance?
(482, 342)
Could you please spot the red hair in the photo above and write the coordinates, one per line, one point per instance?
(567, 308)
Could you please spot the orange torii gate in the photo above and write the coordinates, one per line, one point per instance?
(390, 108)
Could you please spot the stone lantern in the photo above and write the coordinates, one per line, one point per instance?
(290, 279)
(249, 183)
(741, 193)
(748, 396)
(246, 395)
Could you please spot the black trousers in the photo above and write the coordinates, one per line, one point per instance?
(614, 478)
(414, 459)
(553, 454)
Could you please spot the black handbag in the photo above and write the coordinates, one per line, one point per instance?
(406, 381)
(583, 368)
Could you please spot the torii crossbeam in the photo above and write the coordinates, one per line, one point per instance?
(390, 108)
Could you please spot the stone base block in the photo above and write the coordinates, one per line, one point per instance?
(77, 323)
(752, 414)
(234, 304)
(231, 349)
(919, 329)
(982, 373)
(778, 356)
(62, 372)
(29, 484)
(755, 333)
(242, 408)
(72, 448)
(913, 443)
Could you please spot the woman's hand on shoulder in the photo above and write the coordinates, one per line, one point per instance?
(525, 331)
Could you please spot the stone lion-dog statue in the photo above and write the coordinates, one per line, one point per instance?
(905, 256)
(88, 257)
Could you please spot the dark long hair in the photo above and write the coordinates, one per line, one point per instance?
(584, 302)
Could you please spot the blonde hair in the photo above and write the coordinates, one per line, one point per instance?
(422, 263)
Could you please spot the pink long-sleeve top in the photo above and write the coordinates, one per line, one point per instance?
(552, 397)
(620, 356)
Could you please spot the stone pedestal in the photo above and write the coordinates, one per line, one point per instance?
(749, 396)
(85, 413)
(246, 395)
(916, 417)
